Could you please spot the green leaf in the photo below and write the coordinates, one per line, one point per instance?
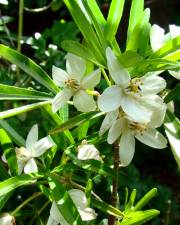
(17, 181)
(173, 94)
(173, 56)
(129, 58)
(85, 27)
(4, 199)
(75, 121)
(5, 19)
(22, 109)
(66, 205)
(172, 129)
(80, 50)
(82, 130)
(88, 191)
(144, 39)
(9, 152)
(16, 93)
(145, 199)
(170, 47)
(28, 66)
(113, 20)
(4, 174)
(139, 217)
(16, 138)
(137, 7)
(97, 12)
(103, 206)
(134, 43)
(130, 204)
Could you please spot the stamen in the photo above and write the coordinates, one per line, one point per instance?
(138, 128)
(72, 83)
(134, 86)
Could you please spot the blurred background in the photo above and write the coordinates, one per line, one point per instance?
(45, 25)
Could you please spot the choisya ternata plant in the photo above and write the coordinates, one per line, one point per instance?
(131, 104)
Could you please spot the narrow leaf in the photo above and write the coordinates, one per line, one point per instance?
(173, 94)
(113, 20)
(28, 66)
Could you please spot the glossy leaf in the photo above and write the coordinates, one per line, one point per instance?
(113, 20)
(130, 203)
(75, 121)
(28, 66)
(21, 109)
(173, 94)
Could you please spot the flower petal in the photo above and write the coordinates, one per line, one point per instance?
(153, 138)
(118, 73)
(30, 166)
(61, 98)
(116, 130)
(76, 66)
(32, 137)
(55, 216)
(87, 151)
(110, 99)
(108, 121)
(152, 84)
(21, 163)
(175, 74)
(87, 214)
(79, 198)
(7, 219)
(84, 102)
(135, 110)
(126, 148)
(91, 80)
(59, 76)
(42, 145)
(174, 31)
(156, 37)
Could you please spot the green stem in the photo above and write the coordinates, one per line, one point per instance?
(20, 31)
(25, 203)
(168, 213)
(106, 77)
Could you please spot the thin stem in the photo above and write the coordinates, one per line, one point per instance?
(20, 32)
(168, 213)
(106, 77)
(25, 203)
(114, 197)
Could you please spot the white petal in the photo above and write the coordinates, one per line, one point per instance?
(59, 76)
(110, 99)
(91, 80)
(84, 102)
(119, 74)
(116, 130)
(135, 110)
(152, 84)
(32, 137)
(42, 145)
(76, 66)
(56, 215)
(174, 31)
(175, 74)
(126, 148)
(86, 152)
(30, 166)
(21, 163)
(87, 214)
(3, 157)
(156, 37)
(51, 221)
(108, 121)
(153, 138)
(79, 198)
(61, 98)
(7, 219)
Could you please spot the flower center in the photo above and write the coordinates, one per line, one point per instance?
(138, 128)
(22, 153)
(72, 84)
(134, 86)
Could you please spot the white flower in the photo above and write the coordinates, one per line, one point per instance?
(75, 84)
(33, 149)
(135, 96)
(80, 201)
(120, 126)
(87, 151)
(7, 219)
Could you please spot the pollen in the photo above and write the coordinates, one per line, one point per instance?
(138, 128)
(72, 83)
(134, 85)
